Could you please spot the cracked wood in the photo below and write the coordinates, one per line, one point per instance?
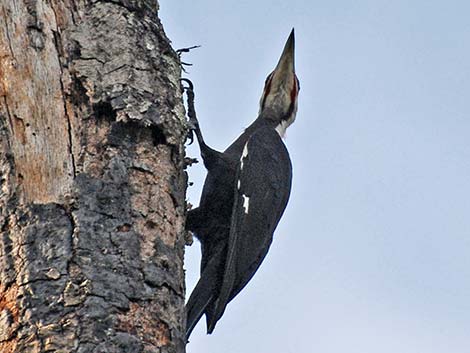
(92, 187)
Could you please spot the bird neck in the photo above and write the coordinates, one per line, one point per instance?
(237, 146)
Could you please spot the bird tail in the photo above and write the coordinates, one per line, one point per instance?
(213, 314)
(195, 308)
(216, 308)
(202, 296)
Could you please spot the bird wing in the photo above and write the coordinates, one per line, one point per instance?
(262, 190)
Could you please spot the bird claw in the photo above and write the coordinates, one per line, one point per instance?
(190, 136)
(186, 50)
(192, 122)
(188, 161)
(180, 51)
(192, 127)
(188, 81)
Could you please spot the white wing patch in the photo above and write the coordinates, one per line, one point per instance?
(238, 184)
(246, 203)
(244, 154)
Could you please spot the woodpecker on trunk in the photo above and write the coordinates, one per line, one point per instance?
(244, 196)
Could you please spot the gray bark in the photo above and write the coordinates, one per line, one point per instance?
(92, 187)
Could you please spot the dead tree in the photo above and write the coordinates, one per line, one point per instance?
(92, 187)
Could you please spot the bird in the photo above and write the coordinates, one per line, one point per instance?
(245, 193)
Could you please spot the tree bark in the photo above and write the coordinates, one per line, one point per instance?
(92, 187)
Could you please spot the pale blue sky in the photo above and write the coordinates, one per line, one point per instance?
(373, 253)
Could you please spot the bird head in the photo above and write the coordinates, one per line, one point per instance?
(281, 89)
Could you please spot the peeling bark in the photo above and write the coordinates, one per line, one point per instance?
(92, 187)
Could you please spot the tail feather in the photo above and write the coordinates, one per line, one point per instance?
(211, 319)
(195, 308)
(215, 310)
(202, 296)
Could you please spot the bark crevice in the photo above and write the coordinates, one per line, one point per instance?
(59, 48)
(7, 109)
(7, 32)
(93, 261)
(67, 114)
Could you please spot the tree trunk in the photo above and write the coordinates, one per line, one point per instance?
(92, 187)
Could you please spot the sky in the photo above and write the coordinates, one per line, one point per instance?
(373, 252)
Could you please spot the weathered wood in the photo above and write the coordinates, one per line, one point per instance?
(92, 188)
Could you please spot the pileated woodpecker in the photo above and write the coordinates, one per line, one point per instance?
(244, 196)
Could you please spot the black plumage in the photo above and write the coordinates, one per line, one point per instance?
(244, 196)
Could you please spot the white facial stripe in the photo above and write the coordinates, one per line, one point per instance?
(281, 128)
(278, 102)
(284, 124)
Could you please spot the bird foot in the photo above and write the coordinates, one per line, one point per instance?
(192, 122)
(188, 162)
(180, 51)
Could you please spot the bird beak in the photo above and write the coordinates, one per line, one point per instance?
(281, 88)
(285, 69)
